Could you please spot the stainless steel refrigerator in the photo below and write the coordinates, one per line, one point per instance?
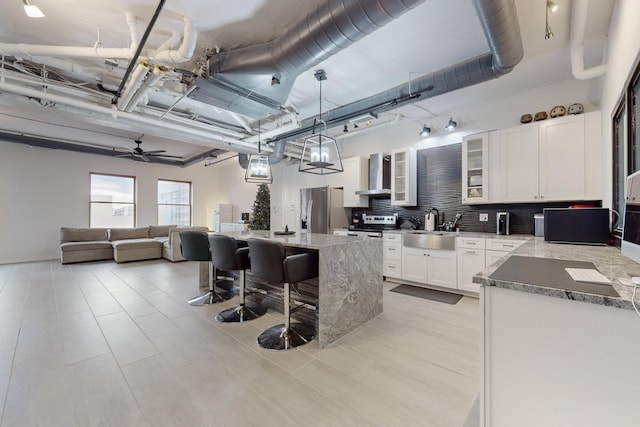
(321, 210)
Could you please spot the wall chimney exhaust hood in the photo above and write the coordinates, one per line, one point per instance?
(379, 176)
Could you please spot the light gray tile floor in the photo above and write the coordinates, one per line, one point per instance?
(106, 344)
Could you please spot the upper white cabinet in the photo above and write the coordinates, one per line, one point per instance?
(404, 177)
(551, 160)
(356, 176)
(475, 168)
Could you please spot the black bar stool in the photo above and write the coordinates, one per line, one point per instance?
(195, 247)
(226, 256)
(270, 263)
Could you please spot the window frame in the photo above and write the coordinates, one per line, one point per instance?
(189, 205)
(133, 203)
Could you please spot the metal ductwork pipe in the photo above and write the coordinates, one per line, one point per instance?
(275, 157)
(256, 80)
(499, 21)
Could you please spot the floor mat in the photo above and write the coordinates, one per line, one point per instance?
(431, 294)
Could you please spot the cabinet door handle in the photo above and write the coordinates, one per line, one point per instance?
(471, 243)
(507, 246)
(535, 197)
(472, 252)
(391, 249)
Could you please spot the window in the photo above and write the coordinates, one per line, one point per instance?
(174, 202)
(112, 201)
(619, 163)
(634, 116)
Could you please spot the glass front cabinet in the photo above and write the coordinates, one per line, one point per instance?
(404, 178)
(475, 168)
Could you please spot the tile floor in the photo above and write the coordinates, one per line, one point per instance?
(106, 344)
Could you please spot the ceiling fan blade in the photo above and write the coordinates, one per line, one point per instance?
(163, 155)
(142, 157)
(154, 152)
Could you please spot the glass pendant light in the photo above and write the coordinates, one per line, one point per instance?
(320, 154)
(258, 168)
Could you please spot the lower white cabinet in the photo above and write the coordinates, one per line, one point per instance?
(477, 253)
(471, 260)
(432, 267)
(392, 255)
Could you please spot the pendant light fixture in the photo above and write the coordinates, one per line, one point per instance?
(32, 10)
(258, 168)
(320, 154)
(552, 7)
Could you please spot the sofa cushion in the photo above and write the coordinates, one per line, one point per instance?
(128, 244)
(129, 233)
(85, 246)
(160, 230)
(69, 234)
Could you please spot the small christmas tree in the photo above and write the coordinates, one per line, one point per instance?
(261, 216)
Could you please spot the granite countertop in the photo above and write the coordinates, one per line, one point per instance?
(607, 260)
(306, 240)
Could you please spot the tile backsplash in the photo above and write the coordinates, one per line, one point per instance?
(440, 186)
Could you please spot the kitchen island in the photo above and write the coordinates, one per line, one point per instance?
(554, 355)
(349, 278)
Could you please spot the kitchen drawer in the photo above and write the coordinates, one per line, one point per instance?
(392, 268)
(392, 237)
(391, 250)
(506, 245)
(470, 242)
(493, 256)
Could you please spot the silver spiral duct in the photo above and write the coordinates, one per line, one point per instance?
(256, 80)
(499, 21)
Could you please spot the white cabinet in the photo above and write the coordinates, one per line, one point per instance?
(519, 164)
(471, 260)
(546, 161)
(562, 151)
(414, 265)
(404, 177)
(355, 177)
(475, 168)
(392, 255)
(441, 269)
(498, 248)
(290, 193)
(429, 267)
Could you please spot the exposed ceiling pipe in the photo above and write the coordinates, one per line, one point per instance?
(186, 49)
(137, 77)
(135, 57)
(499, 21)
(208, 137)
(97, 51)
(241, 120)
(293, 123)
(579, 11)
(256, 80)
(159, 71)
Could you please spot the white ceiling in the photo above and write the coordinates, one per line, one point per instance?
(434, 35)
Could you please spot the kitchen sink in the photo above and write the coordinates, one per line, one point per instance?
(430, 240)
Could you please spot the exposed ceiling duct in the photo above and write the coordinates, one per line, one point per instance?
(255, 81)
(499, 21)
(52, 144)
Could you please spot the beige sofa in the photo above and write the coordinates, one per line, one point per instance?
(122, 244)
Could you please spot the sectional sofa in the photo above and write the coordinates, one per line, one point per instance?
(122, 244)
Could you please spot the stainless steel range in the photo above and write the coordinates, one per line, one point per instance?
(374, 225)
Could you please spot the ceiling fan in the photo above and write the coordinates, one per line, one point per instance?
(138, 153)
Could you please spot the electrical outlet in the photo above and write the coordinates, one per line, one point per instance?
(484, 217)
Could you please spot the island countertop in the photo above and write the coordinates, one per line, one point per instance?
(607, 260)
(349, 278)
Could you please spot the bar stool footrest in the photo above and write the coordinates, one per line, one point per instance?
(241, 313)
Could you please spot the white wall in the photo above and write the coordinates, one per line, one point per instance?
(623, 49)
(42, 190)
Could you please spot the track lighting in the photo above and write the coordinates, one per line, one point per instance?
(451, 126)
(426, 131)
(345, 129)
(32, 10)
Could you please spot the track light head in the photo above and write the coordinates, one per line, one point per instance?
(552, 6)
(451, 126)
(426, 131)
